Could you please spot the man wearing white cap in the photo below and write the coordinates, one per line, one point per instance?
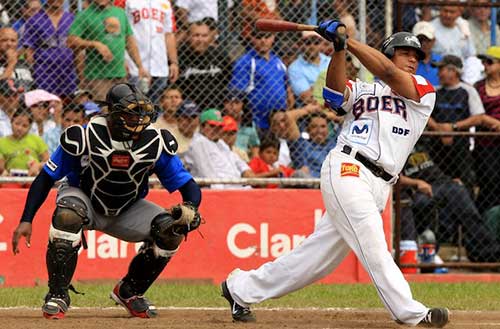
(425, 33)
(38, 101)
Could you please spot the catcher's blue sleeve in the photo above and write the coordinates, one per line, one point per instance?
(171, 172)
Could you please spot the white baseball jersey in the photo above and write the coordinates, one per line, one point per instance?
(382, 125)
(150, 20)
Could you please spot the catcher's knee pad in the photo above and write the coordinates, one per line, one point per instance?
(166, 241)
(68, 219)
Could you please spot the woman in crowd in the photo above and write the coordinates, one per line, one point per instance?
(487, 149)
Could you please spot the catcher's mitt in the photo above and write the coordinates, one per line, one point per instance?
(187, 218)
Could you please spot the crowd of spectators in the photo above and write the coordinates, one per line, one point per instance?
(240, 102)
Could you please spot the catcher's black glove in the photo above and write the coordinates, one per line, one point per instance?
(330, 31)
(187, 218)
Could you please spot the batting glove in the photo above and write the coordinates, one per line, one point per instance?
(329, 31)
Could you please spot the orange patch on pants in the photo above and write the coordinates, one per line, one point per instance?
(349, 169)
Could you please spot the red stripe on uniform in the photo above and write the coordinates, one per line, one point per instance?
(348, 84)
(174, 23)
(423, 86)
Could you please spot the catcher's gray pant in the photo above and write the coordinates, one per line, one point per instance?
(352, 221)
(134, 225)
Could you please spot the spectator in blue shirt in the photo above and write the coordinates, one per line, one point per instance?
(425, 33)
(304, 71)
(72, 114)
(308, 154)
(262, 76)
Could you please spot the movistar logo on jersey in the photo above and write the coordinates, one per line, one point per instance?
(360, 131)
(357, 130)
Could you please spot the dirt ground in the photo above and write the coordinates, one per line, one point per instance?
(93, 318)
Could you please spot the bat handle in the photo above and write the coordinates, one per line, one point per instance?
(341, 30)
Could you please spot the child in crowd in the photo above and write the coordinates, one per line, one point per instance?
(41, 103)
(73, 114)
(22, 153)
(264, 165)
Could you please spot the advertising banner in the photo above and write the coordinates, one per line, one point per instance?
(242, 229)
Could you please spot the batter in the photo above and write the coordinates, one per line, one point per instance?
(383, 121)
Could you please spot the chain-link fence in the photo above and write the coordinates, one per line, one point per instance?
(205, 65)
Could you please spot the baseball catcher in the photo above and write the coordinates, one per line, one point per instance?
(107, 164)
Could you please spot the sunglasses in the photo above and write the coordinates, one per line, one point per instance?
(312, 41)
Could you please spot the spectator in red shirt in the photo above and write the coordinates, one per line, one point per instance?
(265, 164)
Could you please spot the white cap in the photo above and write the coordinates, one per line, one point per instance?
(39, 95)
(424, 28)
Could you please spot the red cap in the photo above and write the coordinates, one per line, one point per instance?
(229, 124)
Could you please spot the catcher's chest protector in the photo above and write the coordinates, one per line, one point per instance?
(115, 174)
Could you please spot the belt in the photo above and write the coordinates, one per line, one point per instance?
(376, 170)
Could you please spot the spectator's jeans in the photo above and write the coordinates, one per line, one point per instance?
(99, 87)
(455, 206)
(487, 164)
(158, 85)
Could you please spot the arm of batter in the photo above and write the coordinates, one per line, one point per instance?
(382, 67)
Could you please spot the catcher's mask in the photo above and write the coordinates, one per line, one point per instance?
(129, 112)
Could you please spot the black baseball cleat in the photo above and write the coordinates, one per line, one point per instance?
(137, 305)
(55, 306)
(436, 318)
(239, 313)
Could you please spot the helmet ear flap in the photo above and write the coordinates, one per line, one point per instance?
(389, 52)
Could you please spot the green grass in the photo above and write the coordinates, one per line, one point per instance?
(460, 296)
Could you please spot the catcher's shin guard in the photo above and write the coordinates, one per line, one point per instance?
(61, 261)
(144, 269)
(65, 236)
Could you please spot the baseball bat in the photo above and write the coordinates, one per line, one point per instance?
(274, 25)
